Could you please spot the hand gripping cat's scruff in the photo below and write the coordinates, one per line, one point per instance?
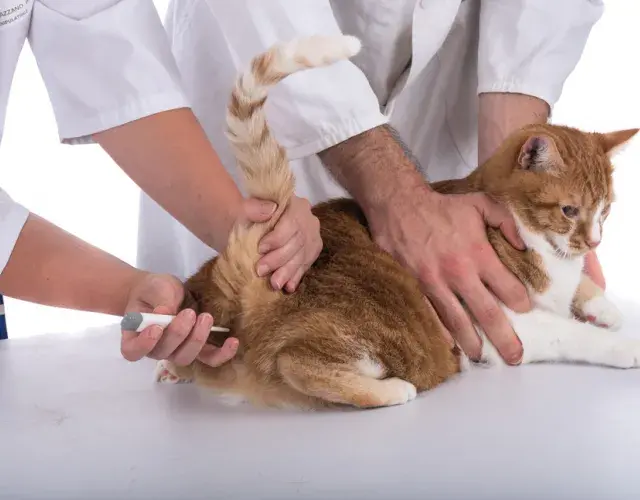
(358, 331)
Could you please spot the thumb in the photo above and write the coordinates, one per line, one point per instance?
(256, 210)
(498, 217)
(170, 311)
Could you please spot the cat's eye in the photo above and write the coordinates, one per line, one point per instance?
(570, 211)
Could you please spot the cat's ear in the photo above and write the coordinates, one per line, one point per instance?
(539, 154)
(614, 142)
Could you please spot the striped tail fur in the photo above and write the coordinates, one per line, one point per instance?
(261, 159)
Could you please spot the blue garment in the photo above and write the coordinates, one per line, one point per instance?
(3, 321)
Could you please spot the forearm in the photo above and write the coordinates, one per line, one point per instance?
(50, 266)
(169, 156)
(376, 168)
(500, 114)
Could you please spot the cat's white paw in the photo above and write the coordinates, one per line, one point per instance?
(623, 353)
(602, 312)
(163, 374)
(398, 391)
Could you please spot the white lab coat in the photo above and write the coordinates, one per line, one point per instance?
(422, 66)
(104, 63)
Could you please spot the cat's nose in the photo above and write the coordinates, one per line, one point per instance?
(592, 243)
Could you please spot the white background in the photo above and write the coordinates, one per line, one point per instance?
(602, 94)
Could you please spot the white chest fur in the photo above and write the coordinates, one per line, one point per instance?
(564, 275)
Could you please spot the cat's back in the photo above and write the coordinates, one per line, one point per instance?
(351, 266)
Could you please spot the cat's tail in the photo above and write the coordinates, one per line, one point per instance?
(261, 159)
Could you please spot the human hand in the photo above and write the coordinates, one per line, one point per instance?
(293, 245)
(184, 339)
(594, 270)
(442, 240)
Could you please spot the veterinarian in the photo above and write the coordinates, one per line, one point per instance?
(111, 78)
(453, 77)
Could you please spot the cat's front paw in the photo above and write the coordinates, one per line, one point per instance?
(602, 312)
(623, 353)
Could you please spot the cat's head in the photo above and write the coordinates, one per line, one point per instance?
(558, 182)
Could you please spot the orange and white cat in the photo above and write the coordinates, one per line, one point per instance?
(358, 330)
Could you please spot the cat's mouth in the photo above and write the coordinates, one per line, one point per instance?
(562, 248)
(579, 252)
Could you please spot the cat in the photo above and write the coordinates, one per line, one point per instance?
(358, 331)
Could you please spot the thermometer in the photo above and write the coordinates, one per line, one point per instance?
(136, 322)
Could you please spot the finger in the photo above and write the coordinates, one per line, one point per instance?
(485, 309)
(256, 210)
(506, 286)
(216, 356)
(314, 248)
(455, 319)
(444, 332)
(164, 310)
(497, 216)
(281, 234)
(288, 271)
(312, 251)
(191, 347)
(593, 269)
(277, 258)
(448, 338)
(135, 346)
(293, 283)
(174, 334)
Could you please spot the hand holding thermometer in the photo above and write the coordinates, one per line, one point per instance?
(136, 322)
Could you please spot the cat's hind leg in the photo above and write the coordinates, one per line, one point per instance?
(357, 383)
(168, 373)
(222, 380)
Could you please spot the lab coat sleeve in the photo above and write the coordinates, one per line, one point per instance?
(104, 63)
(12, 219)
(312, 110)
(531, 46)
